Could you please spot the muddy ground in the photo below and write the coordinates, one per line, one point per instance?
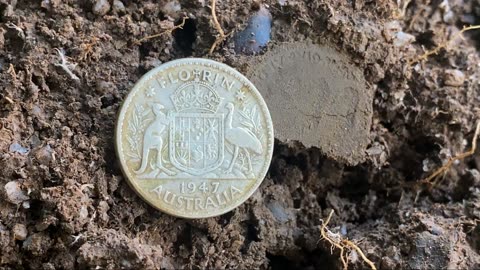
(64, 203)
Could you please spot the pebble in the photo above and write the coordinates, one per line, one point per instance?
(14, 193)
(2, 43)
(20, 232)
(454, 77)
(44, 155)
(402, 39)
(448, 15)
(118, 6)
(257, 33)
(436, 230)
(17, 148)
(101, 7)
(37, 244)
(431, 226)
(171, 8)
(26, 204)
(278, 211)
(391, 29)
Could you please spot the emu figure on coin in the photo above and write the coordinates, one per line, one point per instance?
(152, 139)
(240, 138)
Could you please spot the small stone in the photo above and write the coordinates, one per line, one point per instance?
(14, 193)
(20, 232)
(436, 230)
(278, 211)
(118, 6)
(431, 226)
(45, 4)
(448, 15)
(101, 7)
(48, 266)
(37, 244)
(454, 77)
(45, 223)
(430, 251)
(387, 263)
(2, 38)
(26, 204)
(8, 11)
(171, 8)
(17, 148)
(257, 33)
(104, 87)
(44, 155)
(402, 39)
(391, 29)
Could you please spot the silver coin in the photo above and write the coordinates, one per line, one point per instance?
(194, 138)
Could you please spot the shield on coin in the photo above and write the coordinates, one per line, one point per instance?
(196, 142)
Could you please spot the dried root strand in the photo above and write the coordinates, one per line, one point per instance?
(65, 65)
(344, 245)
(402, 8)
(9, 100)
(11, 71)
(87, 48)
(443, 45)
(221, 34)
(451, 161)
(168, 31)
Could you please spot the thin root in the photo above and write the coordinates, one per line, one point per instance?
(9, 100)
(402, 8)
(87, 48)
(19, 30)
(11, 71)
(443, 45)
(168, 31)
(344, 245)
(221, 34)
(452, 160)
(65, 65)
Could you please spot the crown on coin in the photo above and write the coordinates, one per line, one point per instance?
(195, 95)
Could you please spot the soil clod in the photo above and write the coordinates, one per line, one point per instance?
(318, 97)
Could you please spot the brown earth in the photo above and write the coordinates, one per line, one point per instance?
(65, 204)
(318, 97)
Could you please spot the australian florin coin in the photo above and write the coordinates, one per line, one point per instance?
(194, 138)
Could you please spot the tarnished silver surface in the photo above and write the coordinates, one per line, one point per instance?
(194, 138)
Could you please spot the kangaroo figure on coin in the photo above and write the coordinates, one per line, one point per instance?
(152, 139)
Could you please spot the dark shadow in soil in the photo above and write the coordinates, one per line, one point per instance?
(185, 37)
(316, 259)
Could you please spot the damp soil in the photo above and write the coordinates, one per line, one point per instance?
(64, 203)
(318, 97)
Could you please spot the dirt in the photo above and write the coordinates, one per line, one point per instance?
(70, 207)
(317, 97)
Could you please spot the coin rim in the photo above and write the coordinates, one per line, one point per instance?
(185, 61)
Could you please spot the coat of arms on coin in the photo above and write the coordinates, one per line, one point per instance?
(194, 138)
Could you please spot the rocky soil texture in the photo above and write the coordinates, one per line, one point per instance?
(66, 66)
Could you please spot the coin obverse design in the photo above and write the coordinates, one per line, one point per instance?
(194, 138)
